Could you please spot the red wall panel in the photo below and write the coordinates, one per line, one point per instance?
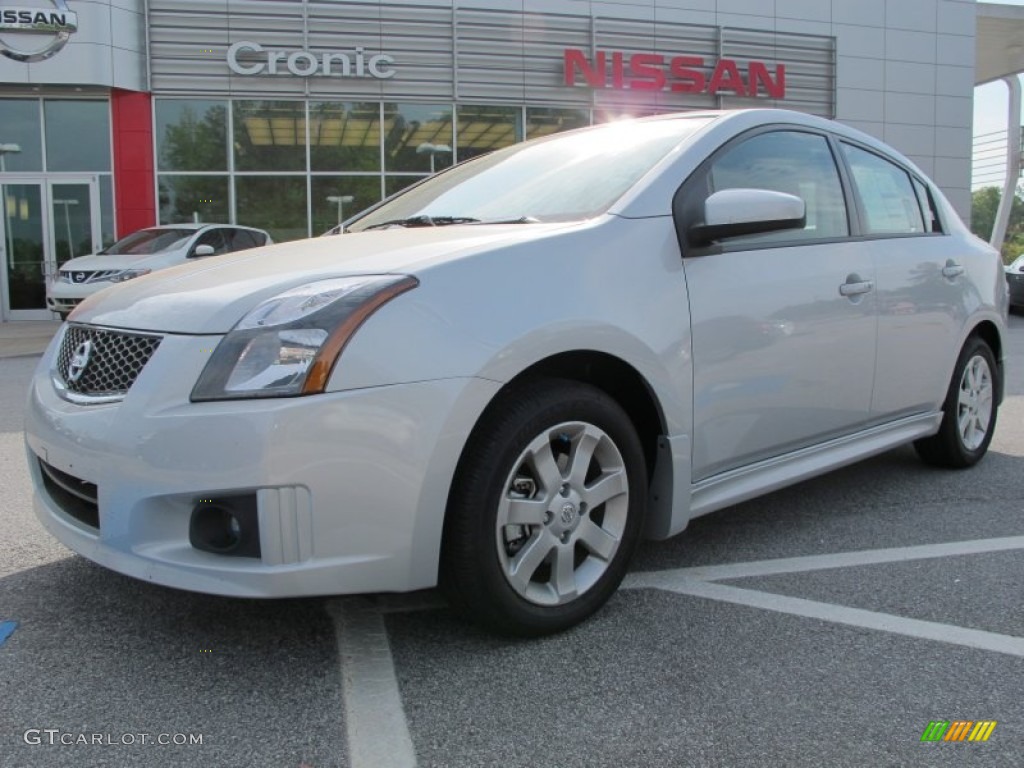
(133, 160)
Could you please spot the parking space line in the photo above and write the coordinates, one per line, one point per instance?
(855, 617)
(822, 562)
(378, 733)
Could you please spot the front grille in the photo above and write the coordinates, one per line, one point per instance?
(76, 498)
(98, 363)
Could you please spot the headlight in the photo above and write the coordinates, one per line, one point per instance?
(127, 274)
(288, 345)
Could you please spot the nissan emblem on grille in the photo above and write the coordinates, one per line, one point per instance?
(78, 277)
(78, 361)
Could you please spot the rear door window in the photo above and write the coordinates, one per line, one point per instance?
(891, 206)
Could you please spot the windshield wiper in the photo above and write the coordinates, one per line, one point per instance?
(424, 221)
(440, 221)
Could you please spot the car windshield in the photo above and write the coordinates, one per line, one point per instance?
(148, 241)
(561, 178)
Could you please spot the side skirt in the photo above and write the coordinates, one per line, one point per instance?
(744, 483)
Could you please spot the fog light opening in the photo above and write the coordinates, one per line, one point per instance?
(215, 529)
(225, 527)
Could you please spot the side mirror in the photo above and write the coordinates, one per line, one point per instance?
(203, 250)
(735, 212)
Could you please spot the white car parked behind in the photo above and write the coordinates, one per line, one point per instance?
(141, 253)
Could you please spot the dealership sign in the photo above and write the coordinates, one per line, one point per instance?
(248, 58)
(681, 74)
(52, 26)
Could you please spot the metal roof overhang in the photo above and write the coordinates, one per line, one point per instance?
(999, 42)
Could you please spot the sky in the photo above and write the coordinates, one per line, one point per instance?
(990, 108)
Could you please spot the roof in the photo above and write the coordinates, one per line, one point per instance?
(999, 42)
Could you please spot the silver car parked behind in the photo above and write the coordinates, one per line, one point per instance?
(504, 377)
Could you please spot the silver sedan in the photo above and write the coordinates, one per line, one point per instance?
(501, 379)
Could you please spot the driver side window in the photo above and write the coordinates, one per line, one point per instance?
(793, 162)
(213, 238)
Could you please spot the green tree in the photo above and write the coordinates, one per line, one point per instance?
(984, 204)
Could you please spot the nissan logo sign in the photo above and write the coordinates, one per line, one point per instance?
(25, 24)
(249, 58)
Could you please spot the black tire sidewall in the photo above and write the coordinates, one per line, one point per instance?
(480, 587)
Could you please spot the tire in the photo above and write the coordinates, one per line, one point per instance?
(969, 413)
(546, 510)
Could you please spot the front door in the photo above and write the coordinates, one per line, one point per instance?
(783, 323)
(43, 224)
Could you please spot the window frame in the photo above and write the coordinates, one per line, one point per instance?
(684, 203)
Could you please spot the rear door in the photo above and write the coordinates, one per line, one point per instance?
(923, 293)
(783, 323)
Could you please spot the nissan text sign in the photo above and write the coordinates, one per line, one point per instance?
(682, 74)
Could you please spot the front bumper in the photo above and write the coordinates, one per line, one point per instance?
(1015, 285)
(351, 485)
(64, 297)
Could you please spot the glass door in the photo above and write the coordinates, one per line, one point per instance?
(75, 221)
(44, 223)
(25, 238)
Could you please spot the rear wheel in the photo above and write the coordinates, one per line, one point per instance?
(969, 413)
(546, 511)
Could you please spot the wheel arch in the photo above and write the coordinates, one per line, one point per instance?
(630, 389)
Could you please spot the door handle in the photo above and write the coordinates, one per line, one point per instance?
(856, 288)
(952, 269)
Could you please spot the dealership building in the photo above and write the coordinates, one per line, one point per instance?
(290, 115)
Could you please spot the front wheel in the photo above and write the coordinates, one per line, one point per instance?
(969, 412)
(546, 511)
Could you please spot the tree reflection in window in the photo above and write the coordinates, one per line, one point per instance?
(417, 137)
(191, 135)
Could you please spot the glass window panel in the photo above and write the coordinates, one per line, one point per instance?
(270, 135)
(274, 203)
(71, 213)
(77, 135)
(21, 147)
(545, 121)
(417, 137)
(393, 184)
(331, 198)
(23, 227)
(799, 164)
(483, 129)
(108, 234)
(344, 137)
(191, 135)
(193, 198)
(931, 218)
(890, 203)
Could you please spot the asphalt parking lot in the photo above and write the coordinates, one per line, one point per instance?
(825, 624)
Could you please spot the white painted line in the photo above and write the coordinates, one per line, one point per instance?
(378, 734)
(822, 562)
(854, 617)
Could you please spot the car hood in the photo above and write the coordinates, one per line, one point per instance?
(106, 261)
(210, 296)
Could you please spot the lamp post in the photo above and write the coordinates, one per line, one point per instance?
(67, 220)
(426, 148)
(340, 200)
(7, 149)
